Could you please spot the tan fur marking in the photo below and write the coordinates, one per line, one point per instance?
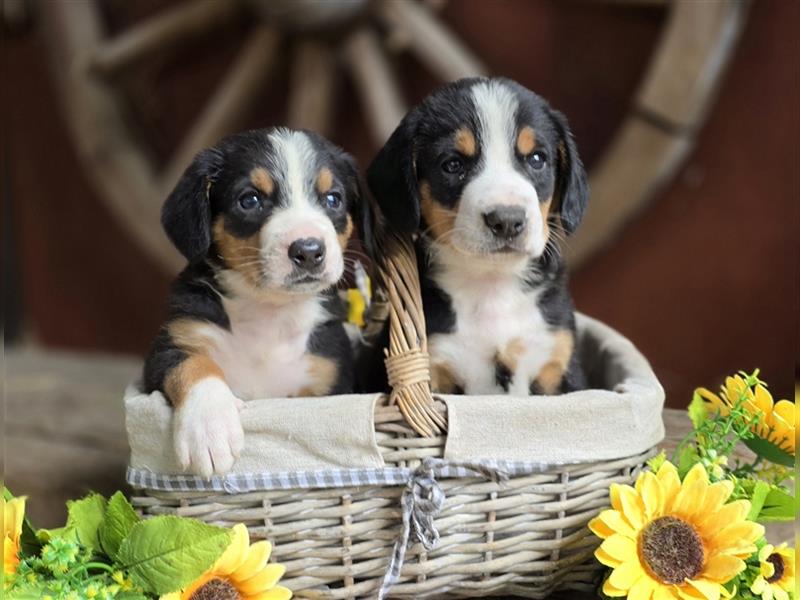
(186, 334)
(324, 372)
(551, 374)
(324, 180)
(510, 355)
(443, 379)
(439, 219)
(526, 140)
(544, 207)
(240, 254)
(180, 379)
(344, 237)
(465, 142)
(262, 180)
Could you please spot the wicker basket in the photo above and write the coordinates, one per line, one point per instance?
(425, 525)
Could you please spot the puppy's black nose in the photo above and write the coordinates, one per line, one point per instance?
(307, 253)
(506, 222)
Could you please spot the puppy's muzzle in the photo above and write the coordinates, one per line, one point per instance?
(506, 222)
(307, 254)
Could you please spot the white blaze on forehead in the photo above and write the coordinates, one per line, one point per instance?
(295, 158)
(496, 106)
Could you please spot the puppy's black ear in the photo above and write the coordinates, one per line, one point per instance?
(392, 178)
(186, 215)
(359, 206)
(572, 186)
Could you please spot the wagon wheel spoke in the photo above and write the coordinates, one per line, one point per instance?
(433, 43)
(163, 32)
(311, 91)
(232, 99)
(376, 84)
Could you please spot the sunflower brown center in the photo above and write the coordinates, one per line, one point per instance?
(777, 562)
(216, 589)
(672, 550)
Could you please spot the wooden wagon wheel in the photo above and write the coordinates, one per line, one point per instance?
(655, 137)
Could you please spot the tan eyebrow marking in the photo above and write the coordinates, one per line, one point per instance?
(324, 180)
(261, 178)
(526, 140)
(465, 142)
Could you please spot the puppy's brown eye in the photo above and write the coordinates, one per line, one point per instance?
(453, 166)
(249, 202)
(538, 160)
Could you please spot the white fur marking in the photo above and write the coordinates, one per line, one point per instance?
(207, 430)
(491, 309)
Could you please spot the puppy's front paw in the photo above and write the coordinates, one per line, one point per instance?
(207, 429)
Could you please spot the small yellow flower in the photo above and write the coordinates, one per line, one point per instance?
(776, 579)
(776, 423)
(241, 573)
(672, 540)
(123, 582)
(13, 515)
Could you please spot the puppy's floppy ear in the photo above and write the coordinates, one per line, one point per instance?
(186, 215)
(359, 207)
(392, 178)
(572, 186)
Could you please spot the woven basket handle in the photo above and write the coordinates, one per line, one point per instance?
(407, 360)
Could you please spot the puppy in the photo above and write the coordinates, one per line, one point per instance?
(487, 177)
(263, 219)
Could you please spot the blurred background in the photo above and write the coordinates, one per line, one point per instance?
(687, 113)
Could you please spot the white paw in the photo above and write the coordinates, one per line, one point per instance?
(207, 429)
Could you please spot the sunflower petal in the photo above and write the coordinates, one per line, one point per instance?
(255, 560)
(609, 522)
(721, 568)
(277, 593)
(734, 538)
(663, 592)
(612, 592)
(604, 558)
(642, 589)
(261, 581)
(708, 589)
(620, 548)
(716, 495)
(670, 484)
(650, 492)
(733, 512)
(235, 552)
(632, 506)
(625, 575)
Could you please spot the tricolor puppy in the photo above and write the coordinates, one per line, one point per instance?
(263, 218)
(487, 176)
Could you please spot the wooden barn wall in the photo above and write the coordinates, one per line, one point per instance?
(704, 282)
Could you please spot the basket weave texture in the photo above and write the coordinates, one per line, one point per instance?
(469, 536)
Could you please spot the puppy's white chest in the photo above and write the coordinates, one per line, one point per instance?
(494, 317)
(265, 352)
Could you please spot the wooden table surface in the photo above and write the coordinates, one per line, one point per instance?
(65, 433)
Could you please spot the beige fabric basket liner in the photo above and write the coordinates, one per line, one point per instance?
(338, 432)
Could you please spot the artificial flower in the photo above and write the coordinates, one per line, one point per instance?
(776, 423)
(672, 540)
(776, 577)
(241, 573)
(13, 515)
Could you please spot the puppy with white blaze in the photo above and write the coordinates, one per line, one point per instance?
(486, 176)
(264, 219)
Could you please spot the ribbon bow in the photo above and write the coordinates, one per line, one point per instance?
(421, 502)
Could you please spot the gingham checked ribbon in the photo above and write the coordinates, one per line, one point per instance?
(421, 502)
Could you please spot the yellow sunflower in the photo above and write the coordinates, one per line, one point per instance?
(776, 424)
(13, 514)
(667, 540)
(776, 579)
(241, 573)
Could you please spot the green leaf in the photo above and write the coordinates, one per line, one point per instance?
(757, 497)
(119, 520)
(697, 410)
(686, 460)
(778, 506)
(166, 553)
(770, 451)
(84, 518)
(657, 461)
